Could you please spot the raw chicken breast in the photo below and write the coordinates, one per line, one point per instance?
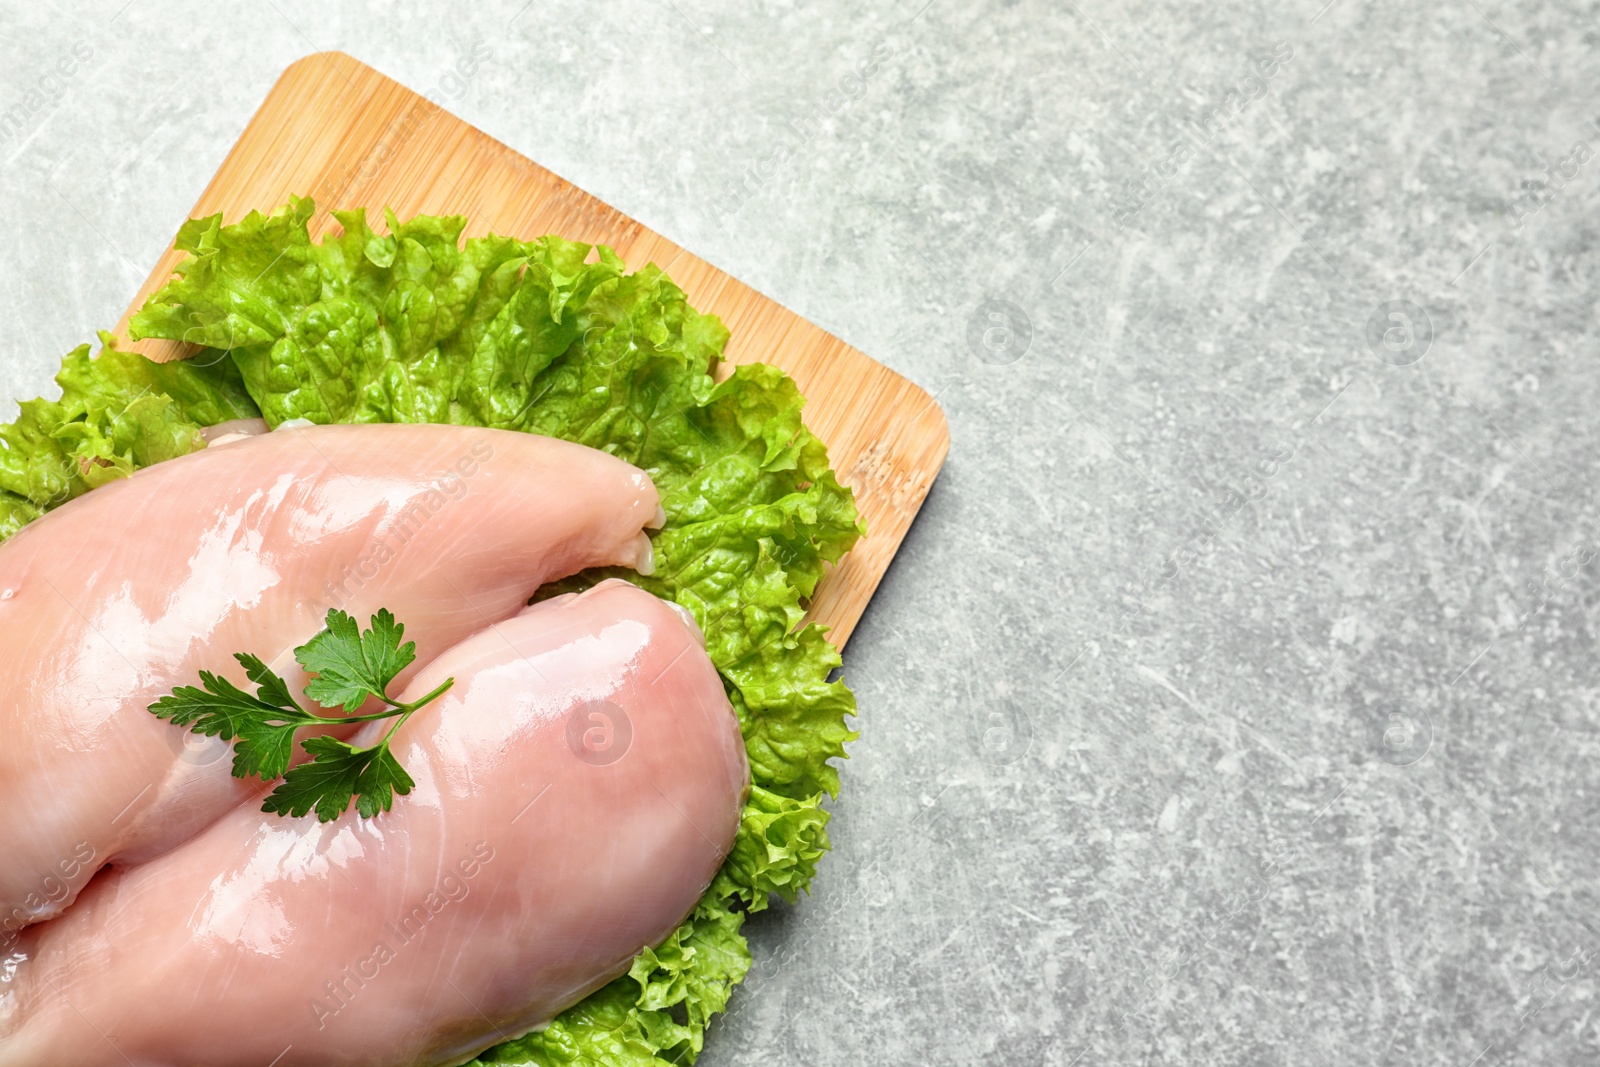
(576, 791)
(113, 599)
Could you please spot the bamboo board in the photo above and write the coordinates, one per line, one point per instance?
(337, 130)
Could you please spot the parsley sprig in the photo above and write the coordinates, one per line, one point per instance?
(350, 666)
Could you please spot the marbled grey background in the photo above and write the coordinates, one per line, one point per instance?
(1234, 700)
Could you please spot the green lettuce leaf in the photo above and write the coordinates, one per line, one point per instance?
(779, 842)
(118, 412)
(546, 336)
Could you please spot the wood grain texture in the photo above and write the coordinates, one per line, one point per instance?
(337, 130)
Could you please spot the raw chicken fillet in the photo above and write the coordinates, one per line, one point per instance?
(577, 789)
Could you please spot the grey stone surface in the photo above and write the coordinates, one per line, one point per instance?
(1234, 699)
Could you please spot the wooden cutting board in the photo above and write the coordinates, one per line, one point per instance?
(337, 130)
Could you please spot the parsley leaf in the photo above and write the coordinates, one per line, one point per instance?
(351, 664)
(269, 687)
(262, 726)
(339, 773)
